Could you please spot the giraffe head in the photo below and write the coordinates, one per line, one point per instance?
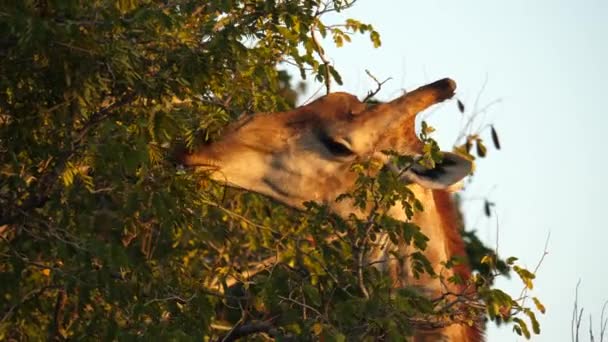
(306, 154)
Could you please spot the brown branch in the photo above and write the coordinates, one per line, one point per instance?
(101, 115)
(437, 322)
(329, 6)
(379, 84)
(304, 306)
(252, 271)
(256, 268)
(57, 331)
(360, 260)
(238, 216)
(246, 329)
(29, 296)
(175, 298)
(441, 319)
(319, 50)
(75, 48)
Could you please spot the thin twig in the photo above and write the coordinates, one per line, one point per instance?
(545, 252)
(379, 85)
(304, 305)
(578, 323)
(312, 96)
(362, 250)
(176, 298)
(329, 6)
(57, 325)
(76, 48)
(230, 334)
(254, 269)
(575, 323)
(29, 296)
(466, 129)
(321, 53)
(101, 115)
(592, 339)
(497, 238)
(238, 216)
(603, 322)
(540, 261)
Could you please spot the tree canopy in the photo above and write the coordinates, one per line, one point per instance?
(101, 237)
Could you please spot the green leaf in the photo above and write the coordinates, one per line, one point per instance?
(488, 260)
(335, 74)
(533, 321)
(539, 305)
(525, 276)
(511, 260)
(517, 330)
(322, 72)
(523, 327)
(375, 38)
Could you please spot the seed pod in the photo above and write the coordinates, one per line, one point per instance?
(481, 148)
(495, 138)
(460, 106)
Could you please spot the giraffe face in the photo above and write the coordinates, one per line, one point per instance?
(306, 154)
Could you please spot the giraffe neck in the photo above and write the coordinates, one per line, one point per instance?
(440, 221)
(439, 248)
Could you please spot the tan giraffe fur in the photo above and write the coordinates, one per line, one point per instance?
(306, 154)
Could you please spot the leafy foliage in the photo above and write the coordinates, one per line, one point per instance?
(102, 238)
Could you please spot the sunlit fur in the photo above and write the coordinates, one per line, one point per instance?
(286, 156)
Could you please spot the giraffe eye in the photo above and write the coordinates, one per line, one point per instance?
(336, 148)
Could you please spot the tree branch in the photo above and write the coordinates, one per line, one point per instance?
(319, 49)
(246, 329)
(29, 296)
(253, 270)
(379, 84)
(56, 330)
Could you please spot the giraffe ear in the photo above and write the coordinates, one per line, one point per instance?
(445, 176)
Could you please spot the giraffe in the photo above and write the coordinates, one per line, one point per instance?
(306, 154)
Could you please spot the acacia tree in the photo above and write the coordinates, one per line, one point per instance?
(100, 237)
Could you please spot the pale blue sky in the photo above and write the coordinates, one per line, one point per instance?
(547, 61)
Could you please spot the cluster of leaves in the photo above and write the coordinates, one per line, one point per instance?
(101, 238)
(500, 306)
